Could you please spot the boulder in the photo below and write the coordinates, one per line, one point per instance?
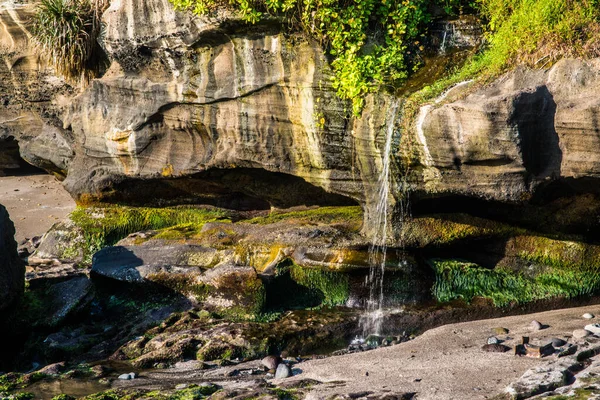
(68, 297)
(12, 270)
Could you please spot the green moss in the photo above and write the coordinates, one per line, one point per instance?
(182, 283)
(63, 397)
(556, 253)
(285, 394)
(334, 286)
(20, 396)
(194, 392)
(440, 230)
(462, 280)
(103, 227)
(352, 216)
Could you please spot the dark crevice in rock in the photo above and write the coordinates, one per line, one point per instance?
(11, 162)
(566, 206)
(237, 188)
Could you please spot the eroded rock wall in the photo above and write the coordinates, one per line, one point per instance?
(214, 109)
(29, 95)
(529, 138)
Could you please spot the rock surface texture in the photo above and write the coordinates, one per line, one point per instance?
(29, 97)
(215, 111)
(528, 138)
(12, 270)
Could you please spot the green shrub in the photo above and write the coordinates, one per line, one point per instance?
(66, 31)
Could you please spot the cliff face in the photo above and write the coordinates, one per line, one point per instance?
(215, 111)
(29, 92)
(530, 138)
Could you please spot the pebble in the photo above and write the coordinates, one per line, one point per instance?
(500, 331)
(271, 362)
(127, 377)
(181, 386)
(536, 325)
(495, 348)
(587, 315)
(283, 371)
(580, 333)
(594, 328)
(492, 340)
(556, 342)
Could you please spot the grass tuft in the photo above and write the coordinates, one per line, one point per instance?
(66, 32)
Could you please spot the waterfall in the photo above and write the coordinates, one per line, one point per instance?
(372, 319)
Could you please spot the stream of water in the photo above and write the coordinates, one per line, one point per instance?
(372, 318)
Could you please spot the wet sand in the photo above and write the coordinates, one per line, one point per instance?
(444, 363)
(34, 202)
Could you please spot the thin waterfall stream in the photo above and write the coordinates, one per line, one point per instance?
(372, 318)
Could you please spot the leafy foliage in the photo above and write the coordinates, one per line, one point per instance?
(66, 31)
(372, 42)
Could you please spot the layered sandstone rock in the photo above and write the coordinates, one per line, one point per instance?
(29, 92)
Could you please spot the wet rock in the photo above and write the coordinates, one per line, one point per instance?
(100, 371)
(28, 246)
(492, 340)
(536, 325)
(53, 369)
(581, 333)
(495, 348)
(271, 362)
(587, 316)
(63, 243)
(68, 297)
(283, 371)
(126, 377)
(540, 379)
(593, 328)
(235, 290)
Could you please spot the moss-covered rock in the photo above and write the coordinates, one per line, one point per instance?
(88, 230)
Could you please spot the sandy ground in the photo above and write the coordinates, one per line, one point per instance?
(34, 202)
(446, 362)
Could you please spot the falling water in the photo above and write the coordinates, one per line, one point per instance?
(371, 320)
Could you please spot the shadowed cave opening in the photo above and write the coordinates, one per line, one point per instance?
(243, 189)
(563, 206)
(11, 162)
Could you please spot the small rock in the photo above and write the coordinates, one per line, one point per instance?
(536, 325)
(99, 371)
(127, 377)
(283, 371)
(495, 348)
(181, 386)
(580, 333)
(587, 315)
(271, 362)
(53, 369)
(492, 340)
(594, 328)
(556, 342)
(500, 331)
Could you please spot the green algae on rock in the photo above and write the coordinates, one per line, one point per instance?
(89, 229)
